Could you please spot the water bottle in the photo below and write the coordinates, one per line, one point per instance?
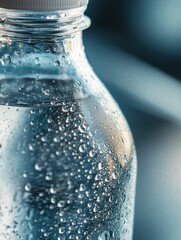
(67, 156)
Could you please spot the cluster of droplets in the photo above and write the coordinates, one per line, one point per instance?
(40, 60)
(73, 186)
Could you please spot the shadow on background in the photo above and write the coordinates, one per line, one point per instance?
(134, 46)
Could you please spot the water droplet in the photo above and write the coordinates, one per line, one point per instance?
(100, 167)
(37, 61)
(82, 148)
(61, 128)
(31, 148)
(73, 109)
(17, 53)
(52, 190)
(44, 139)
(104, 236)
(98, 177)
(82, 128)
(56, 139)
(82, 188)
(42, 230)
(61, 230)
(57, 63)
(6, 60)
(25, 175)
(32, 123)
(92, 153)
(21, 88)
(55, 47)
(89, 205)
(28, 187)
(49, 176)
(46, 91)
(89, 177)
(53, 200)
(46, 234)
(61, 204)
(111, 199)
(98, 199)
(53, 103)
(32, 111)
(49, 120)
(79, 210)
(80, 196)
(115, 175)
(95, 209)
(38, 167)
(63, 220)
(68, 119)
(65, 108)
(58, 153)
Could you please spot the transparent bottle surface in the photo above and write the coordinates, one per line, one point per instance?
(67, 157)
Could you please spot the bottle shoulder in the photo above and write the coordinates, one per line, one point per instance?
(34, 75)
(113, 127)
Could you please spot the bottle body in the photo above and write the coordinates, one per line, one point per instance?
(62, 178)
(67, 157)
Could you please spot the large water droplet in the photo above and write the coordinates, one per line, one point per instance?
(6, 60)
(82, 128)
(82, 148)
(92, 153)
(61, 230)
(57, 63)
(65, 108)
(37, 61)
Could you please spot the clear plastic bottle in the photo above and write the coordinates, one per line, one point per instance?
(67, 157)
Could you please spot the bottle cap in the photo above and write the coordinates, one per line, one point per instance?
(42, 5)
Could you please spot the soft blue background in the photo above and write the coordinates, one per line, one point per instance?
(135, 48)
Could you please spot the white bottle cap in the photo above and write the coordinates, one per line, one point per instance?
(42, 5)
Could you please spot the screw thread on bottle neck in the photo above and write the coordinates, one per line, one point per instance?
(31, 25)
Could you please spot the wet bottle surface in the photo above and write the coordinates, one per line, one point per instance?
(67, 158)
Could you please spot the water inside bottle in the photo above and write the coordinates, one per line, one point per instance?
(61, 178)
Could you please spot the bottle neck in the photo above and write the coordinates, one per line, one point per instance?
(41, 53)
(30, 26)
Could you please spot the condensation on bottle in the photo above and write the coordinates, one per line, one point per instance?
(67, 156)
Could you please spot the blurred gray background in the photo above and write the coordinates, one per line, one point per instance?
(135, 48)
